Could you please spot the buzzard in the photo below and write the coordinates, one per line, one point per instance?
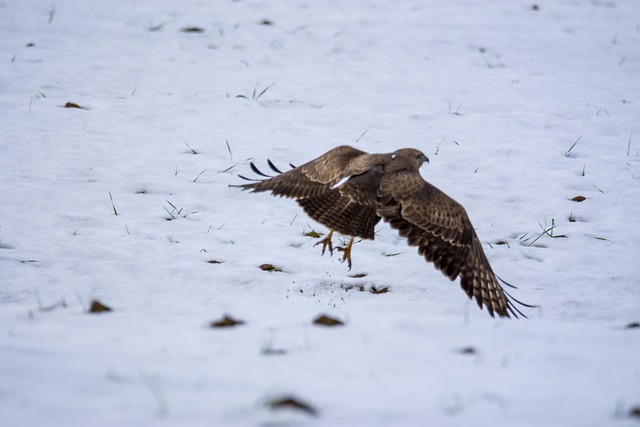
(349, 191)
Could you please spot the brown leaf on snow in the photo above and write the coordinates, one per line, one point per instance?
(192, 30)
(292, 403)
(358, 275)
(98, 307)
(226, 322)
(73, 105)
(269, 267)
(325, 320)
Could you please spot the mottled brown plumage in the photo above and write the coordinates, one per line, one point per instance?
(349, 191)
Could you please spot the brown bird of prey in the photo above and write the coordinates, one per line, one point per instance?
(349, 191)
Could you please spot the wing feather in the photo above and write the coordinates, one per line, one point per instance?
(312, 178)
(442, 231)
(348, 208)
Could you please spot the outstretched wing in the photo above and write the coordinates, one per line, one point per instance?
(442, 231)
(312, 178)
(333, 189)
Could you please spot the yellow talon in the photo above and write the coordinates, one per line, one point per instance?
(347, 252)
(326, 242)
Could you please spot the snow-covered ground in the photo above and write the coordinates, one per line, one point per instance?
(520, 106)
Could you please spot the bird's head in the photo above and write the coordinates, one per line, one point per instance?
(411, 155)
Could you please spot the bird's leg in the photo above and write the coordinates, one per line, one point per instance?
(347, 252)
(326, 242)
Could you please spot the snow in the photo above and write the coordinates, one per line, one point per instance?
(495, 93)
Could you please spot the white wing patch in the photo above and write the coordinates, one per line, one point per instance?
(341, 182)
